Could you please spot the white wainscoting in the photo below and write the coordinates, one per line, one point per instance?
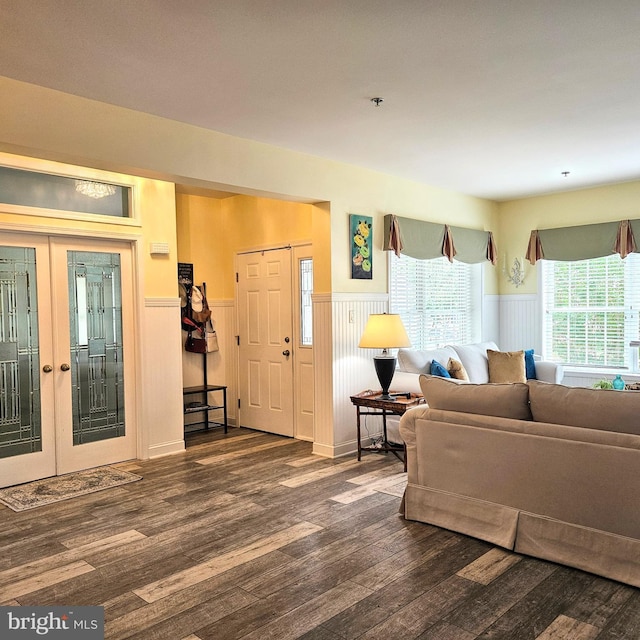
(353, 369)
(222, 365)
(520, 323)
(323, 378)
(161, 419)
(491, 319)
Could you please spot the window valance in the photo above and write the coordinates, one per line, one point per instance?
(428, 240)
(584, 242)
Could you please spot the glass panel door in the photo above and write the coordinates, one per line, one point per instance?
(97, 367)
(26, 391)
(94, 319)
(19, 354)
(66, 350)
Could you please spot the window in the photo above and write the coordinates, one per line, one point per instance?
(306, 307)
(439, 302)
(591, 310)
(48, 191)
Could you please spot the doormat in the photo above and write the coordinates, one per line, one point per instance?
(50, 490)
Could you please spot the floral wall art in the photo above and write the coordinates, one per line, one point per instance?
(361, 233)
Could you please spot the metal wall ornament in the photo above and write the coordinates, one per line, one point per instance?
(516, 274)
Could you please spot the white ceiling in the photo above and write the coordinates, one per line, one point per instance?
(494, 98)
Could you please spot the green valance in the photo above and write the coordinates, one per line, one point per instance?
(428, 240)
(584, 242)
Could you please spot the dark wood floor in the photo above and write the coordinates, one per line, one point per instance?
(250, 536)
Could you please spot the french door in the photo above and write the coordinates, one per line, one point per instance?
(66, 362)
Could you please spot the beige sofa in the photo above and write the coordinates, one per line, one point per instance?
(542, 469)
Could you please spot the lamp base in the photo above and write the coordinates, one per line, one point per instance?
(385, 368)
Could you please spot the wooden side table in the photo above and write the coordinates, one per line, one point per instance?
(369, 403)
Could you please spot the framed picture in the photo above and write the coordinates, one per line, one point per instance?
(361, 237)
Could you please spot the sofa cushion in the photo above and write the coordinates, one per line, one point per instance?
(416, 361)
(474, 359)
(456, 370)
(590, 408)
(506, 366)
(502, 400)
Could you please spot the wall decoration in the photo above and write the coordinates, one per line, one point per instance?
(361, 237)
(185, 282)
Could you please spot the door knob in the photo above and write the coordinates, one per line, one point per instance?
(286, 352)
(47, 368)
(64, 367)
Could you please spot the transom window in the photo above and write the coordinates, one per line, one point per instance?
(591, 310)
(49, 191)
(439, 301)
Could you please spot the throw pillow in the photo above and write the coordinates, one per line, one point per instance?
(438, 370)
(530, 365)
(506, 366)
(456, 370)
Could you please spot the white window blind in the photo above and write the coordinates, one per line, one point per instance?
(439, 301)
(591, 310)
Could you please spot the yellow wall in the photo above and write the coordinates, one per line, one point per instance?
(588, 206)
(212, 231)
(197, 219)
(54, 125)
(154, 201)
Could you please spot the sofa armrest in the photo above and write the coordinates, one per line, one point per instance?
(405, 381)
(408, 434)
(549, 371)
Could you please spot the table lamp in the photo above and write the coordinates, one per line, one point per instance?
(384, 331)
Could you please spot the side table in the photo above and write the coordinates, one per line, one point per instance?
(369, 403)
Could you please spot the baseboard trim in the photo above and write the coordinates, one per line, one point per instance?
(328, 451)
(166, 449)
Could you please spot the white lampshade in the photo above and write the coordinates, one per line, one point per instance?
(384, 331)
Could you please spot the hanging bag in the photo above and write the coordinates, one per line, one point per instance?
(211, 337)
(195, 343)
(201, 339)
(200, 311)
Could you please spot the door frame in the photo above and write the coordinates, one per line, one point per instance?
(294, 248)
(135, 241)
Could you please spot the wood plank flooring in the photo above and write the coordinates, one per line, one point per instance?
(250, 536)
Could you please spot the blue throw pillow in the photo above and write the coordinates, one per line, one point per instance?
(438, 370)
(530, 365)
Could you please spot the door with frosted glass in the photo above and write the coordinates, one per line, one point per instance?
(66, 362)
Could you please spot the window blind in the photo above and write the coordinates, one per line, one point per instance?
(439, 301)
(591, 310)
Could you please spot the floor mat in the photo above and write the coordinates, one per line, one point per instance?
(50, 490)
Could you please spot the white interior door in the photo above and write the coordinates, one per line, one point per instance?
(66, 362)
(266, 344)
